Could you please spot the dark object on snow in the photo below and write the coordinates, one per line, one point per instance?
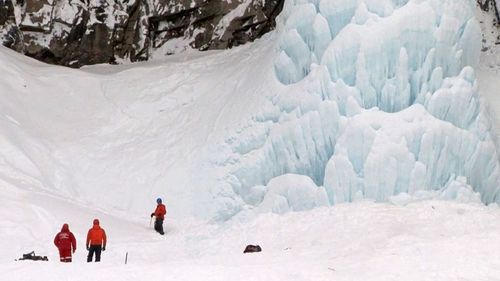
(252, 249)
(32, 256)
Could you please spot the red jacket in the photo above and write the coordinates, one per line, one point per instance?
(160, 211)
(96, 235)
(65, 240)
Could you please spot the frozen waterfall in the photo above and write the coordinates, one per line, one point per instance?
(379, 99)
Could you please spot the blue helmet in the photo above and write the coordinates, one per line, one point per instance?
(158, 200)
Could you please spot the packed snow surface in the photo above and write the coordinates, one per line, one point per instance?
(426, 240)
(286, 143)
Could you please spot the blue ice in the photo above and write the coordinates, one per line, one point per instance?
(381, 100)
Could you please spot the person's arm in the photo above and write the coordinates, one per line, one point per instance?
(73, 242)
(88, 240)
(104, 240)
(56, 240)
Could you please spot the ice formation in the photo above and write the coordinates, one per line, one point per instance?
(380, 99)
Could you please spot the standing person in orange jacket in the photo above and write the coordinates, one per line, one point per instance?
(159, 215)
(66, 243)
(96, 241)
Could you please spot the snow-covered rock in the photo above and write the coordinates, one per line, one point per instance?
(491, 5)
(77, 33)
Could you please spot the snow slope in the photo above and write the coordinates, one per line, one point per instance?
(89, 136)
(325, 99)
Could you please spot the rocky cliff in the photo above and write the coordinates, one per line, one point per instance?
(82, 32)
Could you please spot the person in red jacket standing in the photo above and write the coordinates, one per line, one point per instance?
(66, 243)
(96, 242)
(159, 215)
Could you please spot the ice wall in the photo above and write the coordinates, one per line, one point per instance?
(379, 99)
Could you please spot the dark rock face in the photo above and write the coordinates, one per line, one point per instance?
(82, 32)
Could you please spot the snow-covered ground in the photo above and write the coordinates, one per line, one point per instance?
(362, 241)
(427, 240)
(345, 102)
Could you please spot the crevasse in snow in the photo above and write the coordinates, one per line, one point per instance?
(380, 98)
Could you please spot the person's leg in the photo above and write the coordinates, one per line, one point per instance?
(61, 255)
(160, 226)
(65, 255)
(98, 250)
(157, 225)
(91, 253)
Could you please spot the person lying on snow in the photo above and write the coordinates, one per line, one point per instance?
(159, 215)
(66, 243)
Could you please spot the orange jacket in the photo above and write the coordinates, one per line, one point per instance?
(96, 235)
(160, 211)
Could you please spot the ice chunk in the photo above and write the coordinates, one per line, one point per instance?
(393, 155)
(456, 190)
(302, 19)
(362, 14)
(460, 191)
(340, 56)
(341, 182)
(298, 51)
(457, 102)
(338, 13)
(255, 195)
(292, 192)
(322, 36)
(382, 8)
(286, 70)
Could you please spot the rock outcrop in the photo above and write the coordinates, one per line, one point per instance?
(82, 32)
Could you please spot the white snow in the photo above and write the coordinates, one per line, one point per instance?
(347, 101)
(427, 240)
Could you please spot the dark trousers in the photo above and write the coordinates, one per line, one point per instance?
(159, 225)
(94, 249)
